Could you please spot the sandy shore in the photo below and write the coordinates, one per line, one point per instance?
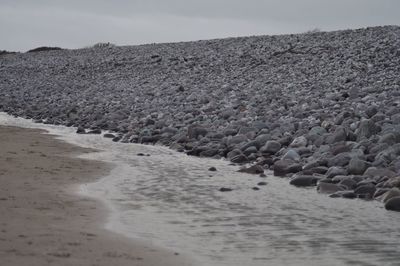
(43, 222)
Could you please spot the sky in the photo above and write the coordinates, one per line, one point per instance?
(26, 24)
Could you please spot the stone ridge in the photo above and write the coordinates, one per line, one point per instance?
(319, 105)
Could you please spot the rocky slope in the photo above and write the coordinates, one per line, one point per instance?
(322, 107)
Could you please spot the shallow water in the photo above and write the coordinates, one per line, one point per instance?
(172, 200)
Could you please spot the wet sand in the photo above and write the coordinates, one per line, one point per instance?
(44, 222)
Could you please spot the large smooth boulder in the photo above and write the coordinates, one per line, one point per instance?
(291, 155)
(393, 192)
(357, 166)
(366, 129)
(299, 142)
(271, 147)
(335, 171)
(393, 204)
(194, 132)
(342, 159)
(365, 190)
(284, 167)
(304, 181)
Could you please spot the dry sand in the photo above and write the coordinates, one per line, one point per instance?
(42, 222)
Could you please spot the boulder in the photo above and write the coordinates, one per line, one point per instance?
(348, 183)
(334, 171)
(304, 181)
(283, 167)
(299, 142)
(81, 130)
(342, 159)
(254, 169)
(291, 155)
(241, 158)
(365, 190)
(271, 147)
(194, 132)
(366, 129)
(393, 192)
(393, 204)
(357, 166)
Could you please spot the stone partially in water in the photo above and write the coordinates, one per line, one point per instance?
(81, 130)
(225, 189)
(254, 169)
(283, 167)
(393, 204)
(304, 181)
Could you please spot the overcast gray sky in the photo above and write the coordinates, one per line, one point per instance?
(26, 24)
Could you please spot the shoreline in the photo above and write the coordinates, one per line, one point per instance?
(45, 220)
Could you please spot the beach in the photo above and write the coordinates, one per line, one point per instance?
(45, 222)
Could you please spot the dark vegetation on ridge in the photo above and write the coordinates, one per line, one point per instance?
(323, 107)
(43, 49)
(4, 52)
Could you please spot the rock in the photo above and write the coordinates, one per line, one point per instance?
(262, 183)
(340, 148)
(234, 153)
(316, 170)
(194, 132)
(339, 135)
(344, 194)
(250, 150)
(225, 189)
(212, 169)
(109, 135)
(291, 155)
(81, 130)
(241, 158)
(304, 181)
(116, 139)
(261, 140)
(283, 167)
(341, 159)
(379, 172)
(328, 188)
(357, 166)
(271, 147)
(371, 111)
(388, 138)
(366, 129)
(348, 183)
(392, 182)
(367, 190)
(94, 131)
(393, 204)
(254, 169)
(255, 188)
(208, 152)
(379, 193)
(299, 142)
(236, 140)
(393, 192)
(334, 171)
